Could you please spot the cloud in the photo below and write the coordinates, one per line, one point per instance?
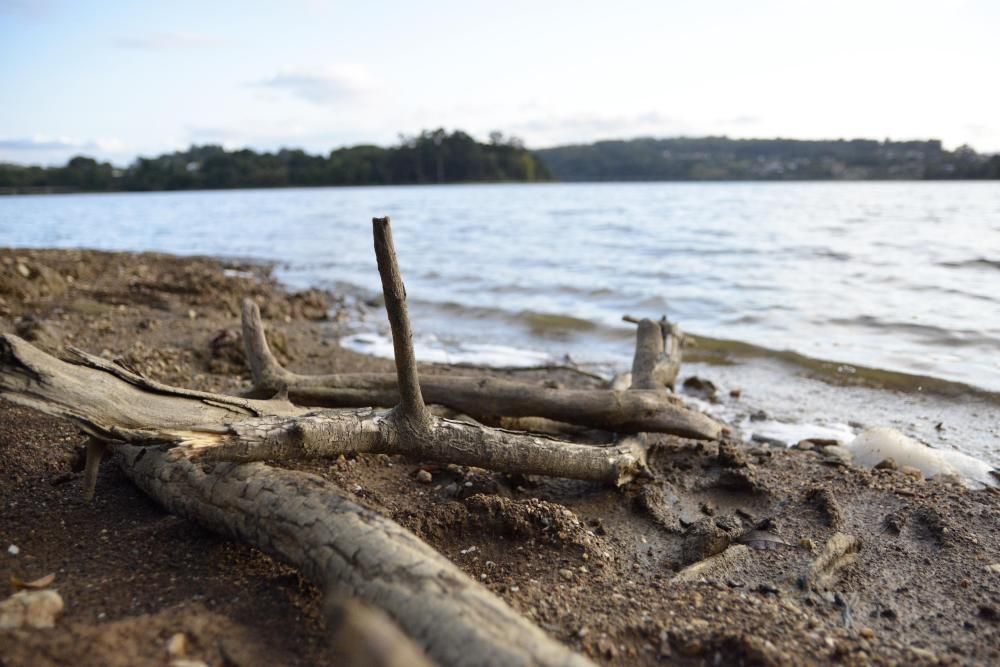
(166, 41)
(61, 144)
(551, 130)
(337, 83)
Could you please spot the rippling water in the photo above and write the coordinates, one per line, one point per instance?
(900, 276)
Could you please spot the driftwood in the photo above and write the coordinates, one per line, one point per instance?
(645, 408)
(658, 350)
(169, 441)
(195, 453)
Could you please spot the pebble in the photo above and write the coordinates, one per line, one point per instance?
(177, 645)
(837, 453)
(887, 464)
(912, 472)
(994, 568)
(34, 609)
(424, 477)
(566, 574)
(13, 550)
(867, 633)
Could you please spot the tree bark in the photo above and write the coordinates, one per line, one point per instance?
(658, 353)
(486, 399)
(347, 551)
(114, 404)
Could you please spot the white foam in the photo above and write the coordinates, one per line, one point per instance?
(431, 349)
(878, 443)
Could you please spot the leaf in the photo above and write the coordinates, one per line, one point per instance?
(42, 582)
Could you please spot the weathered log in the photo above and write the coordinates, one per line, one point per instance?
(347, 550)
(658, 350)
(486, 399)
(114, 404)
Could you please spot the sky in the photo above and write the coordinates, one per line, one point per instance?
(115, 80)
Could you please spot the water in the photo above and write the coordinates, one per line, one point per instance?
(903, 277)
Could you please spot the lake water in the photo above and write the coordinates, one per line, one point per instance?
(897, 276)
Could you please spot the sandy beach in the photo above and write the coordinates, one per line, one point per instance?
(606, 571)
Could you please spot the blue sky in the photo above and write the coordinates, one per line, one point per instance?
(119, 79)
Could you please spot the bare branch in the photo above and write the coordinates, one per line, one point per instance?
(411, 402)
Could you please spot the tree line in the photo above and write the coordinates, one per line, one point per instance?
(431, 157)
(721, 158)
(441, 157)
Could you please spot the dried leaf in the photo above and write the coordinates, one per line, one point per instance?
(42, 582)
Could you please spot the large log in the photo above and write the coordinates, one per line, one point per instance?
(646, 409)
(114, 404)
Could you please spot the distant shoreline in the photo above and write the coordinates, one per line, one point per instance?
(15, 192)
(439, 158)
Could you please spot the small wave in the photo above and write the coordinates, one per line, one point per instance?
(723, 351)
(938, 335)
(981, 263)
(432, 350)
(551, 324)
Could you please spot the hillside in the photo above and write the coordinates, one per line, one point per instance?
(720, 158)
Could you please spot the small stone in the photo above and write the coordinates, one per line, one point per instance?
(735, 393)
(13, 550)
(913, 473)
(34, 609)
(192, 314)
(566, 574)
(867, 633)
(177, 645)
(424, 477)
(994, 568)
(837, 454)
(692, 648)
(887, 464)
(807, 544)
(23, 270)
(451, 489)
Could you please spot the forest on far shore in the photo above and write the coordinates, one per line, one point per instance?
(441, 157)
(430, 157)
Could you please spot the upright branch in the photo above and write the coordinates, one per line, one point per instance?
(657, 359)
(411, 402)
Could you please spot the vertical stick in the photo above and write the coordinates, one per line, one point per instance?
(648, 351)
(411, 401)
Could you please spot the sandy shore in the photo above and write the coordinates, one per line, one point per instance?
(594, 567)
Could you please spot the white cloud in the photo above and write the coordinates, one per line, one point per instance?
(326, 85)
(46, 143)
(166, 41)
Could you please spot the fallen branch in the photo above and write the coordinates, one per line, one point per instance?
(348, 551)
(649, 409)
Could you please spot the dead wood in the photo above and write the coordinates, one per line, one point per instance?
(190, 451)
(485, 399)
(658, 349)
(348, 551)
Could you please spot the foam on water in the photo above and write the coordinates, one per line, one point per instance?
(432, 350)
(876, 444)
